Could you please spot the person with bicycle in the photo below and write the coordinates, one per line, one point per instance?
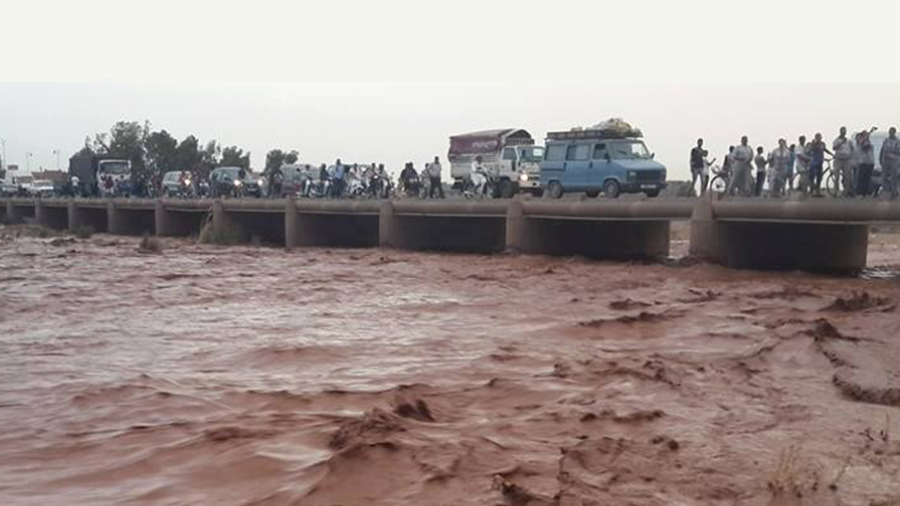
(890, 164)
(843, 162)
(779, 164)
(817, 150)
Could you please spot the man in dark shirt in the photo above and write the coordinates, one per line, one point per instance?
(817, 150)
(698, 154)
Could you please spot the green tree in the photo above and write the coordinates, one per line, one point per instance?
(276, 158)
(210, 157)
(161, 151)
(126, 140)
(233, 156)
(188, 155)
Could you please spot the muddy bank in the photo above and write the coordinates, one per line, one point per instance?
(201, 375)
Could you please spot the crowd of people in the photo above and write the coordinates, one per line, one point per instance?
(802, 167)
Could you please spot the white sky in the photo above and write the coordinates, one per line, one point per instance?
(389, 81)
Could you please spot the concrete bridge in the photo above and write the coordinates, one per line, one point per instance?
(813, 234)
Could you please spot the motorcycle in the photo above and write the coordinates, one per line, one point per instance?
(479, 184)
(410, 187)
(315, 188)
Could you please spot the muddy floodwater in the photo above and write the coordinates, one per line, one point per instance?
(255, 376)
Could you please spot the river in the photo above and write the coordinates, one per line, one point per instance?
(255, 376)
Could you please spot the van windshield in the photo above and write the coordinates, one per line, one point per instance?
(531, 154)
(628, 150)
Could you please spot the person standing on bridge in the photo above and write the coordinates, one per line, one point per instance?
(843, 161)
(865, 163)
(760, 161)
(698, 164)
(801, 164)
(337, 185)
(789, 180)
(434, 176)
(890, 163)
(741, 160)
(817, 150)
(779, 164)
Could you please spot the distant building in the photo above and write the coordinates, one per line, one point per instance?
(58, 177)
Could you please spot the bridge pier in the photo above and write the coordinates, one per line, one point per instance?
(12, 214)
(748, 242)
(74, 218)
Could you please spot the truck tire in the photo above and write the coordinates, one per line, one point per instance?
(611, 189)
(507, 190)
(555, 190)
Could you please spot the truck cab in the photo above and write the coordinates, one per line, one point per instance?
(509, 155)
(522, 165)
(592, 162)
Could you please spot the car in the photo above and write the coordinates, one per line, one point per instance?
(176, 183)
(7, 189)
(234, 182)
(42, 188)
(595, 162)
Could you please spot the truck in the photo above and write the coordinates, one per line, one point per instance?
(600, 160)
(100, 174)
(509, 154)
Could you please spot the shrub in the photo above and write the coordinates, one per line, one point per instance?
(84, 232)
(150, 244)
(225, 236)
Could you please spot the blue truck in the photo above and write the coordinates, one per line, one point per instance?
(597, 161)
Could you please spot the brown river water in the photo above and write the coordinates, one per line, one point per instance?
(255, 376)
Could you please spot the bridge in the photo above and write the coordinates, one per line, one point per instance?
(811, 234)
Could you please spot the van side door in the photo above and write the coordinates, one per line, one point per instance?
(577, 163)
(554, 164)
(601, 167)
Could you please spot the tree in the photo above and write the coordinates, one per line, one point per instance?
(276, 158)
(233, 156)
(161, 152)
(125, 140)
(188, 156)
(210, 157)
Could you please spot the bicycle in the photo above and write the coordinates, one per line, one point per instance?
(721, 179)
(830, 178)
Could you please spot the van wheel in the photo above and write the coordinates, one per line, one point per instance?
(506, 189)
(592, 194)
(611, 189)
(554, 190)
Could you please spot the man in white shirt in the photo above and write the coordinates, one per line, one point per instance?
(843, 165)
(801, 164)
(779, 164)
(434, 176)
(741, 170)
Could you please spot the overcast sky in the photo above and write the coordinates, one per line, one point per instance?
(678, 70)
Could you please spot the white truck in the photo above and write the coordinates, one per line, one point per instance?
(509, 154)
